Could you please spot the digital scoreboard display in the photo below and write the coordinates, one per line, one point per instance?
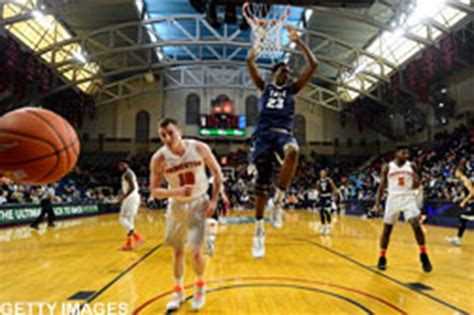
(223, 125)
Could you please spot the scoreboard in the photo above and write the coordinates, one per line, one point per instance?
(223, 124)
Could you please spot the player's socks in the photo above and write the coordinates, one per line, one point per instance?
(258, 244)
(199, 296)
(276, 213)
(279, 195)
(128, 244)
(138, 239)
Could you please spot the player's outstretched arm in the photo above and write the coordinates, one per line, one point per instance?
(215, 169)
(381, 189)
(253, 70)
(131, 186)
(468, 184)
(335, 191)
(306, 75)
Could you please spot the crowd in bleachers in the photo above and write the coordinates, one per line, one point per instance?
(78, 187)
(435, 162)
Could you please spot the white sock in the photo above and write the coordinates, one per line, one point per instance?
(179, 282)
(199, 278)
(279, 195)
(259, 227)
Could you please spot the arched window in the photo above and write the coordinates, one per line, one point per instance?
(193, 109)
(300, 129)
(142, 127)
(251, 109)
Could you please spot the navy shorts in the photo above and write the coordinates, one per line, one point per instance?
(325, 203)
(267, 142)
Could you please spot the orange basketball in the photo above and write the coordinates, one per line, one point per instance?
(37, 146)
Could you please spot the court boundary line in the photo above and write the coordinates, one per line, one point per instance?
(118, 277)
(297, 280)
(392, 279)
(291, 286)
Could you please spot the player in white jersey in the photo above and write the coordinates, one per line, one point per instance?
(129, 205)
(182, 163)
(402, 181)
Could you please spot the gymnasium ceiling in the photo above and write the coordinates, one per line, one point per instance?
(116, 49)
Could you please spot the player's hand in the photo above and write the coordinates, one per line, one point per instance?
(377, 209)
(184, 191)
(463, 203)
(211, 209)
(292, 34)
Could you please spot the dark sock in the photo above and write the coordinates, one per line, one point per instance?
(462, 227)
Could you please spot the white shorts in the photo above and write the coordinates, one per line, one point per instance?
(186, 221)
(397, 204)
(130, 205)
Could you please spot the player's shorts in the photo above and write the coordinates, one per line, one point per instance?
(396, 204)
(268, 142)
(186, 221)
(130, 205)
(325, 203)
(468, 211)
(312, 203)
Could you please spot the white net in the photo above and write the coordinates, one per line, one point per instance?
(267, 23)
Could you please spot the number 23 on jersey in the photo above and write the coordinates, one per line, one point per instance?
(276, 99)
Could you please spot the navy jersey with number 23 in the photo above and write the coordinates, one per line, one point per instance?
(276, 108)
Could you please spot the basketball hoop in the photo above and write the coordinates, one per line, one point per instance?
(266, 22)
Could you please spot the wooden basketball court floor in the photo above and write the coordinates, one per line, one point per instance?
(302, 272)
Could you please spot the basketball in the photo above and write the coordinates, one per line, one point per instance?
(37, 146)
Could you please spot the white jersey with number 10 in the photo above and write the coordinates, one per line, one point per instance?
(188, 169)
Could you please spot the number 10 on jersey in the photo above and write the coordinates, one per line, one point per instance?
(187, 179)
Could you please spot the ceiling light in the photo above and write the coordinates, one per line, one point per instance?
(40, 18)
(79, 56)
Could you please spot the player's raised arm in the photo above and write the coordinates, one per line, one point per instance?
(131, 187)
(253, 70)
(306, 75)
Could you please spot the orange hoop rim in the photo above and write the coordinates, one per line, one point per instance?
(251, 19)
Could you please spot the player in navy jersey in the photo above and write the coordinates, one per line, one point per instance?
(327, 190)
(273, 134)
(464, 172)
